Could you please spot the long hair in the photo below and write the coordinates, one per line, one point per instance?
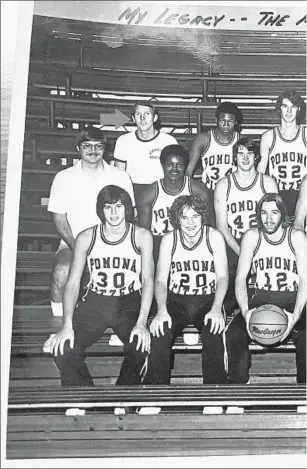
(250, 145)
(195, 202)
(111, 195)
(294, 97)
(273, 197)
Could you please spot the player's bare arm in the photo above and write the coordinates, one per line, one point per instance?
(63, 229)
(143, 238)
(199, 146)
(265, 145)
(200, 189)
(221, 216)
(301, 207)
(299, 242)
(71, 292)
(145, 208)
(221, 270)
(163, 267)
(248, 245)
(270, 184)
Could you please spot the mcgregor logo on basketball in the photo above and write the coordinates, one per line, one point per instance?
(267, 331)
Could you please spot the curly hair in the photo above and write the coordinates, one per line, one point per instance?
(273, 197)
(250, 145)
(111, 195)
(195, 202)
(295, 98)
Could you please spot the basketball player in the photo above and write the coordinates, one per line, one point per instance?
(158, 197)
(191, 283)
(214, 147)
(301, 207)
(139, 151)
(235, 201)
(277, 253)
(119, 258)
(73, 203)
(284, 150)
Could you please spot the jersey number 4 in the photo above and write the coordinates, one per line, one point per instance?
(239, 223)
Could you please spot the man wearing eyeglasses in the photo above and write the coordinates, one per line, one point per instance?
(72, 202)
(235, 200)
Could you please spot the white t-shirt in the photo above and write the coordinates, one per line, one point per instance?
(75, 192)
(142, 157)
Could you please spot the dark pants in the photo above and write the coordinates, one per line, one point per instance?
(290, 198)
(91, 318)
(185, 310)
(237, 338)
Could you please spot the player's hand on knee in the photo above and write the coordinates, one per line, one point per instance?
(157, 324)
(143, 338)
(58, 341)
(290, 325)
(247, 316)
(217, 322)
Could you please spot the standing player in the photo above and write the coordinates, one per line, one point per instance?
(140, 150)
(235, 200)
(191, 283)
(277, 254)
(284, 150)
(158, 197)
(119, 258)
(301, 207)
(214, 147)
(73, 203)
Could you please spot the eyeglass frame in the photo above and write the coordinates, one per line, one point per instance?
(97, 146)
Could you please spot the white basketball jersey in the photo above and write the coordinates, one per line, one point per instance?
(287, 159)
(162, 202)
(115, 267)
(242, 203)
(217, 160)
(275, 264)
(192, 270)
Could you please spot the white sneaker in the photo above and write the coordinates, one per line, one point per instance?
(190, 338)
(119, 411)
(148, 410)
(114, 340)
(213, 410)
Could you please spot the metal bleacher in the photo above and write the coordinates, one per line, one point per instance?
(71, 82)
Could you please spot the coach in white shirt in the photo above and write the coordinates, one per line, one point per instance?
(72, 200)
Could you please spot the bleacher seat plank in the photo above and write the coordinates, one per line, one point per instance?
(163, 396)
(171, 114)
(154, 447)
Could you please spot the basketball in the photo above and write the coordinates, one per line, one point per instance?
(267, 324)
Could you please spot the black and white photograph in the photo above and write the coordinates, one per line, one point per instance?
(153, 234)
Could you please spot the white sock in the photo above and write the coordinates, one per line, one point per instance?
(57, 308)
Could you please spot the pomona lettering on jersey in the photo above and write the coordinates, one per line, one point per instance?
(113, 263)
(155, 153)
(242, 206)
(288, 168)
(278, 263)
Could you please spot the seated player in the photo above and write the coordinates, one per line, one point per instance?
(277, 253)
(119, 294)
(301, 207)
(193, 259)
(235, 200)
(158, 197)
